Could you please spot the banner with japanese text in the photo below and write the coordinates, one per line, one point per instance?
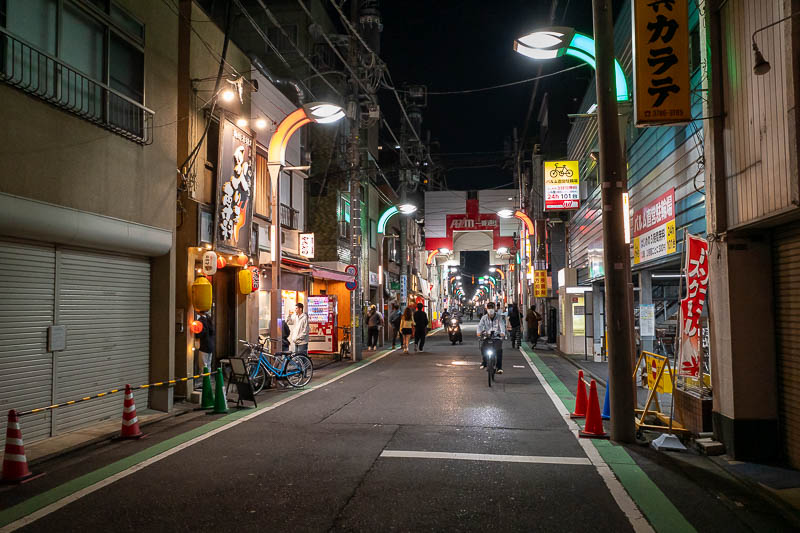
(690, 353)
(654, 229)
(661, 62)
(234, 211)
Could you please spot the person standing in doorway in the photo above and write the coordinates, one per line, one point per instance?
(374, 324)
(207, 339)
(394, 320)
(420, 328)
(406, 327)
(532, 319)
(299, 335)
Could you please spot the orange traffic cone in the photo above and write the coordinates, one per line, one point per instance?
(594, 423)
(15, 464)
(130, 422)
(580, 398)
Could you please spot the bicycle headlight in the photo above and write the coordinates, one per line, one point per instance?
(489, 352)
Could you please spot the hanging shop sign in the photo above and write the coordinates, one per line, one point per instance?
(690, 354)
(373, 279)
(654, 229)
(561, 185)
(307, 245)
(661, 62)
(209, 263)
(540, 284)
(234, 213)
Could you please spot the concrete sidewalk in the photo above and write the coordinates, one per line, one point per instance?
(777, 485)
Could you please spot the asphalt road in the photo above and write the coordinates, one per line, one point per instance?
(373, 451)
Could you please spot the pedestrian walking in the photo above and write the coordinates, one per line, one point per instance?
(515, 325)
(207, 339)
(471, 312)
(407, 327)
(420, 328)
(394, 321)
(532, 319)
(299, 335)
(285, 332)
(374, 324)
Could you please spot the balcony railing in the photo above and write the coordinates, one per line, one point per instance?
(37, 73)
(289, 217)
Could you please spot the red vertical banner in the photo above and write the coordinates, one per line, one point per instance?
(690, 356)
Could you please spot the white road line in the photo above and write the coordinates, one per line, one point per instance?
(75, 496)
(539, 459)
(623, 499)
(519, 366)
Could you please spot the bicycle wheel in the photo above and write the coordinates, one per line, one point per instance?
(299, 370)
(258, 375)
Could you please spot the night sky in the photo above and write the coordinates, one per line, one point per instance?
(451, 45)
(456, 45)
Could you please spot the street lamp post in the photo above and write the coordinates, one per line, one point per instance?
(612, 87)
(320, 113)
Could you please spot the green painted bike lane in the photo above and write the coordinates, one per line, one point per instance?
(54, 495)
(654, 504)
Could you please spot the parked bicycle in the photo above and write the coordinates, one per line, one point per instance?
(345, 348)
(296, 369)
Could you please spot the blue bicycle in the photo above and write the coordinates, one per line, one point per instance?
(296, 369)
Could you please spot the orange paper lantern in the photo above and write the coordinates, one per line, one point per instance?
(221, 262)
(196, 327)
(242, 260)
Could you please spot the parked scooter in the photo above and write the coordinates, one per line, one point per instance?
(454, 331)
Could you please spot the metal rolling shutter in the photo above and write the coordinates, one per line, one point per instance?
(27, 285)
(786, 255)
(104, 300)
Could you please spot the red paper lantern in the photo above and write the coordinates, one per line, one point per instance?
(196, 326)
(221, 262)
(242, 260)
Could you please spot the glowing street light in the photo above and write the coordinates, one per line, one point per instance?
(557, 41)
(321, 113)
(505, 213)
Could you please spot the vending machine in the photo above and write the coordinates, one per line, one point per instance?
(322, 322)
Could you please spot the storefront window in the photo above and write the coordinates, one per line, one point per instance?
(263, 311)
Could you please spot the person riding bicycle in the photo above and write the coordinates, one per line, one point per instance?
(493, 324)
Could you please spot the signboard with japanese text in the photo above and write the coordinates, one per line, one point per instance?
(647, 320)
(540, 284)
(234, 214)
(661, 62)
(654, 229)
(690, 353)
(307, 245)
(561, 185)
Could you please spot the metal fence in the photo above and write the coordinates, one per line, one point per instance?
(288, 217)
(37, 73)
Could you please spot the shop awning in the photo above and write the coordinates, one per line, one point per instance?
(324, 273)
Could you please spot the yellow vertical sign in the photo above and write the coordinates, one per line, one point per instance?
(540, 284)
(661, 62)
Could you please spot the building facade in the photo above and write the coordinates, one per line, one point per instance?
(87, 223)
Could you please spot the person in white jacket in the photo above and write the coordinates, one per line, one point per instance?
(298, 338)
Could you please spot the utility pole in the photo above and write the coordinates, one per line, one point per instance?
(616, 252)
(354, 160)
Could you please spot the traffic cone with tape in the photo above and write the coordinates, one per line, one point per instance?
(606, 406)
(594, 424)
(220, 401)
(15, 464)
(580, 398)
(207, 401)
(130, 422)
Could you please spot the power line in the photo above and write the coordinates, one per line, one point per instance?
(269, 43)
(307, 61)
(500, 86)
